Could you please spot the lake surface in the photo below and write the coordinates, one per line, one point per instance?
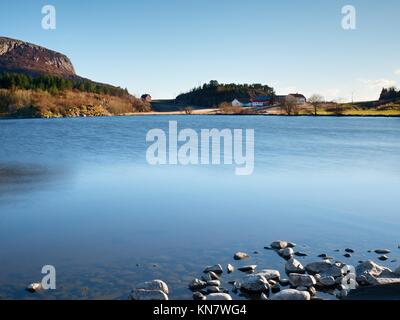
(78, 194)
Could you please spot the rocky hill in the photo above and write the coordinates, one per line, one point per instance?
(20, 56)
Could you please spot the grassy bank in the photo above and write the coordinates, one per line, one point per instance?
(68, 103)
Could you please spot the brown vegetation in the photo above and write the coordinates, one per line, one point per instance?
(69, 103)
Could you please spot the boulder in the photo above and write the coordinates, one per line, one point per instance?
(154, 285)
(197, 284)
(240, 256)
(294, 266)
(327, 281)
(318, 267)
(269, 274)
(291, 294)
(216, 269)
(301, 280)
(199, 296)
(213, 289)
(368, 269)
(287, 252)
(143, 294)
(280, 244)
(218, 296)
(249, 268)
(214, 283)
(382, 251)
(254, 283)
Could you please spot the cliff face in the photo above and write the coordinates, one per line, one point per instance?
(20, 56)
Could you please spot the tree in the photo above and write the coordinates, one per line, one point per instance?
(289, 105)
(316, 100)
(188, 110)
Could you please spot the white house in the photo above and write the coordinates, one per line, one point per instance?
(300, 99)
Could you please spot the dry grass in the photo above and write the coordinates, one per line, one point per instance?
(30, 103)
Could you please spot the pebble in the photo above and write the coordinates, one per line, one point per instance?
(240, 256)
(230, 268)
(382, 251)
(249, 268)
(300, 254)
(218, 296)
(349, 250)
(216, 269)
(287, 252)
(347, 255)
(383, 258)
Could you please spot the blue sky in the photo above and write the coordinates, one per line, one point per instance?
(165, 47)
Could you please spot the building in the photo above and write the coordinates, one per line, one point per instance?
(300, 99)
(256, 102)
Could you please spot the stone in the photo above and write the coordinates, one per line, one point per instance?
(280, 244)
(291, 244)
(382, 251)
(300, 254)
(249, 268)
(383, 258)
(154, 285)
(218, 296)
(291, 294)
(284, 282)
(263, 296)
(34, 287)
(323, 255)
(312, 291)
(143, 294)
(254, 283)
(287, 252)
(269, 274)
(197, 284)
(334, 271)
(348, 250)
(327, 281)
(199, 296)
(347, 255)
(301, 280)
(342, 294)
(230, 268)
(214, 283)
(368, 269)
(213, 289)
(240, 256)
(216, 269)
(318, 267)
(294, 266)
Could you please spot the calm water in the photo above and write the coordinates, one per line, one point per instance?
(79, 195)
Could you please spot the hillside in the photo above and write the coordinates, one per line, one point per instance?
(213, 93)
(37, 82)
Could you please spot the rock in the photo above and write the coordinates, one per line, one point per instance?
(386, 277)
(368, 269)
(382, 251)
(199, 296)
(249, 268)
(334, 271)
(348, 250)
(275, 288)
(284, 282)
(143, 294)
(312, 291)
(240, 256)
(301, 280)
(300, 254)
(216, 269)
(291, 294)
(214, 283)
(287, 252)
(213, 275)
(269, 274)
(383, 258)
(154, 285)
(318, 267)
(327, 281)
(213, 289)
(34, 287)
(347, 255)
(218, 296)
(256, 252)
(302, 288)
(197, 284)
(294, 266)
(263, 296)
(277, 245)
(342, 294)
(291, 244)
(323, 255)
(254, 283)
(230, 268)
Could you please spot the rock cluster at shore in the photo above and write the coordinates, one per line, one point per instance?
(302, 282)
